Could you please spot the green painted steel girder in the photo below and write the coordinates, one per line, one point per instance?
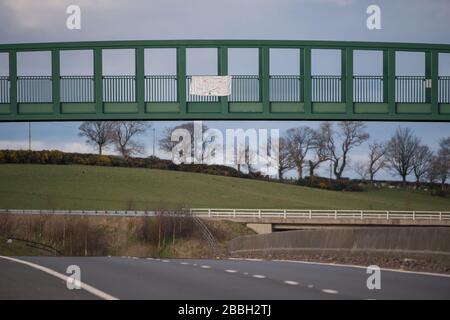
(259, 97)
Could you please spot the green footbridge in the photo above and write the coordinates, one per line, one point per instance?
(263, 96)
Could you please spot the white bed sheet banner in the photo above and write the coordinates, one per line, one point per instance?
(210, 85)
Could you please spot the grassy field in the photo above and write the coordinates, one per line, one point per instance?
(91, 187)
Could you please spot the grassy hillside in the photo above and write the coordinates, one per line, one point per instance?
(91, 187)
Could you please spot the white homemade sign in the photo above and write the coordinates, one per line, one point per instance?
(210, 85)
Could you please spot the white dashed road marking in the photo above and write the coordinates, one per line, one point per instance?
(205, 267)
(292, 283)
(330, 291)
(231, 271)
(258, 276)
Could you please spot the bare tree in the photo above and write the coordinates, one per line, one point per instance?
(441, 163)
(240, 156)
(284, 161)
(377, 160)
(320, 150)
(248, 161)
(421, 162)
(351, 134)
(400, 152)
(299, 142)
(97, 133)
(361, 169)
(125, 133)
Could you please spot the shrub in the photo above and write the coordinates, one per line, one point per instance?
(103, 161)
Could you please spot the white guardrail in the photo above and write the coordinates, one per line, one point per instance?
(320, 214)
(254, 213)
(119, 213)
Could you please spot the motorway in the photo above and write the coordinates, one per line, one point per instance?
(141, 278)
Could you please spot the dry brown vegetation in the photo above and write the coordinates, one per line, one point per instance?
(159, 236)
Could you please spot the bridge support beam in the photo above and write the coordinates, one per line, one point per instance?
(260, 228)
(56, 98)
(264, 73)
(181, 79)
(223, 71)
(140, 85)
(347, 79)
(305, 72)
(432, 72)
(13, 82)
(389, 80)
(98, 81)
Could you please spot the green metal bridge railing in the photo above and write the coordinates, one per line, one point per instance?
(300, 95)
(161, 88)
(368, 89)
(77, 89)
(444, 89)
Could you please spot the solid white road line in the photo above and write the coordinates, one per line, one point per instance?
(365, 267)
(292, 283)
(331, 291)
(88, 288)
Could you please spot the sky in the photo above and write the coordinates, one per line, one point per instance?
(22, 21)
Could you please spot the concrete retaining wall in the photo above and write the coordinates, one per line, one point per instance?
(415, 242)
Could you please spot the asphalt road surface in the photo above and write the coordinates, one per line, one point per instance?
(133, 278)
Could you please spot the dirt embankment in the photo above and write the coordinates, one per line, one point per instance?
(160, 236)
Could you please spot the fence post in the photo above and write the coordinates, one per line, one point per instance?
(310, 214)
(234, 213)
(335, 214)
(440, 215)
(284, 212)
(259, 213)
(209, 212)
(387, 215)
(362, 215)
(414, 215)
